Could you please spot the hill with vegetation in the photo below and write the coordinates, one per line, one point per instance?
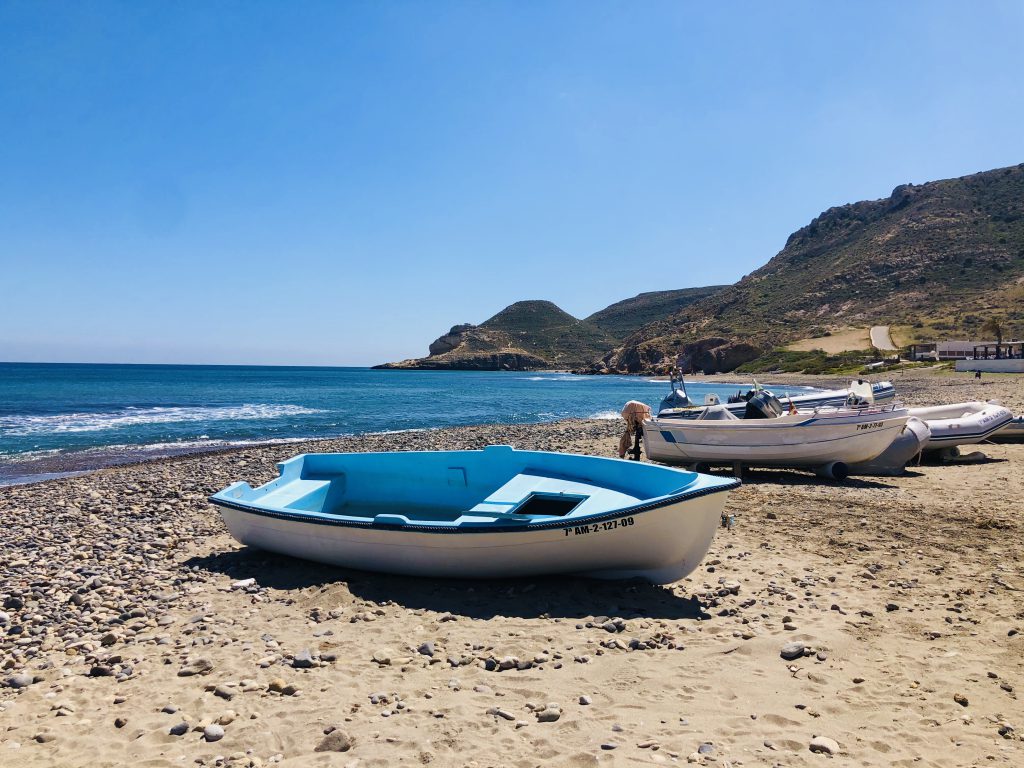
(625, 317)
(527, 335)
(938, 259)
(537, 335)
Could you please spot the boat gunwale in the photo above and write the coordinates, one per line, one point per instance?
(803, 403)
(750, 425)
(723, 485)
(879, 431)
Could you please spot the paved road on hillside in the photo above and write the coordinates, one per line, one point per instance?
(880, 338)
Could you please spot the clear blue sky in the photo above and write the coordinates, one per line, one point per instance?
(340, 182)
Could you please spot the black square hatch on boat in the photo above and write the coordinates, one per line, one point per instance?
(559, 504)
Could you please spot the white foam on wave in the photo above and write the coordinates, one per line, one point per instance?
(553, 377)
(605, 415)
(16, 456)
(184, 445)
(24, 425)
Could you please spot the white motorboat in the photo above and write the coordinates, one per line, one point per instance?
(962, 423)
(677, 405)
(826, 440)
(482, 514)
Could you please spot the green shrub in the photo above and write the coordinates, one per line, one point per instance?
(813, 362)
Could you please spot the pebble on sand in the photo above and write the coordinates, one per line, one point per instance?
(824, 745)
(213, 732)
(335, 741)
(792, 651)
(19, 681)
(426, 649)
(303, 659)
(196, 667)
(548, 715)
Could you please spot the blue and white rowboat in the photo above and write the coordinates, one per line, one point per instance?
(493, 513)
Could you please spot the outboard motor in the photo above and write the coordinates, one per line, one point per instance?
(677, 398)
(763, 405)
(635, 413)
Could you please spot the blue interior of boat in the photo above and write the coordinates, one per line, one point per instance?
(462, 488)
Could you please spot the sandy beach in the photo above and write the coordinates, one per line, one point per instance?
(135, 631)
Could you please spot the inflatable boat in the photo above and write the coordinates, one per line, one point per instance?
(962, 423)
(1011, 433)
(904, 448)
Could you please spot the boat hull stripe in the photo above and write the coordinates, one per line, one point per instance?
(480, 528)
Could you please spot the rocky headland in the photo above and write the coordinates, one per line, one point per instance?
(537, 335)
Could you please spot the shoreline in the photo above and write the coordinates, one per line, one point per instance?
(130, 615)
(914, 387)
(24, 471)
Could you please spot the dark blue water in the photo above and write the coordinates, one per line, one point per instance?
(92, 412)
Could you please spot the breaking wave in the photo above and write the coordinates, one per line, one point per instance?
(23, 425)
(553, 377)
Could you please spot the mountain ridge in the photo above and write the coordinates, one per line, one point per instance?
(536, 334)
(938, 257)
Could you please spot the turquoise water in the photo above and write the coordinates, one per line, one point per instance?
(60, 416)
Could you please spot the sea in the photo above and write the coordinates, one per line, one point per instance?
(58, 419)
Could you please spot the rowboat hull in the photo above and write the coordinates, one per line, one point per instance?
(660, 545)
(632, 523)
